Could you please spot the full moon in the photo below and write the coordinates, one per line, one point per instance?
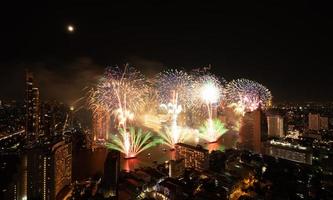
(70, 28)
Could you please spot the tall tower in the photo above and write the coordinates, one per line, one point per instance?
(32, 108)
(101, 125)
(253, 131)
(111, 174)
(49, 170)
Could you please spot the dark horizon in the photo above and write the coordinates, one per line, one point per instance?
(284, 45)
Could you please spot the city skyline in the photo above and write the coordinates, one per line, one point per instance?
(166, 101)
(283, 45)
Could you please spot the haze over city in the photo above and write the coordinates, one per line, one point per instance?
(284, 45)
(166, 101)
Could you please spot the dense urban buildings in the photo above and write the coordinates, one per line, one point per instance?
(40, 166)
(166, 101)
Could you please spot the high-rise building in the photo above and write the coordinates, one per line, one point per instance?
(32, 108)
(316, 122)
(194, 157)
(49, 170)
(47, 120)
(101, 125)
(253, 131)
(275, 126)
(34, 173)
(111, 175)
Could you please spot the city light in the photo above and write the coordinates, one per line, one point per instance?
(147, 101)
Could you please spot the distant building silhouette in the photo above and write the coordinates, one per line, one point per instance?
(111, 174)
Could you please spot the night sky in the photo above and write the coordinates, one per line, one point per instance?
(285, 45)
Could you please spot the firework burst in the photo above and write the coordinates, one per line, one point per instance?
(174, 92)
(209, 91)
(171, 136)
(121, 92)
(212, 130)
(140, 141)
(173, 83)
(245, 95)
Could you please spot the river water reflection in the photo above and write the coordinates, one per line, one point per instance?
(162, 153)
(86, 163)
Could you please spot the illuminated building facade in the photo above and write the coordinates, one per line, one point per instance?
(275, 126)
(194, 157)
(101, 125)
(317, 122)
(32, 108)
(61, 157)
(49, 171)
(288, 151)
(253, 131)
(323, 123)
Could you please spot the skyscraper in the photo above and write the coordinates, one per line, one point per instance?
(101, 125)
(49, 170)
(253, 131)
(111, 174)
(47, 120)
(32, 108)
(275, 126)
